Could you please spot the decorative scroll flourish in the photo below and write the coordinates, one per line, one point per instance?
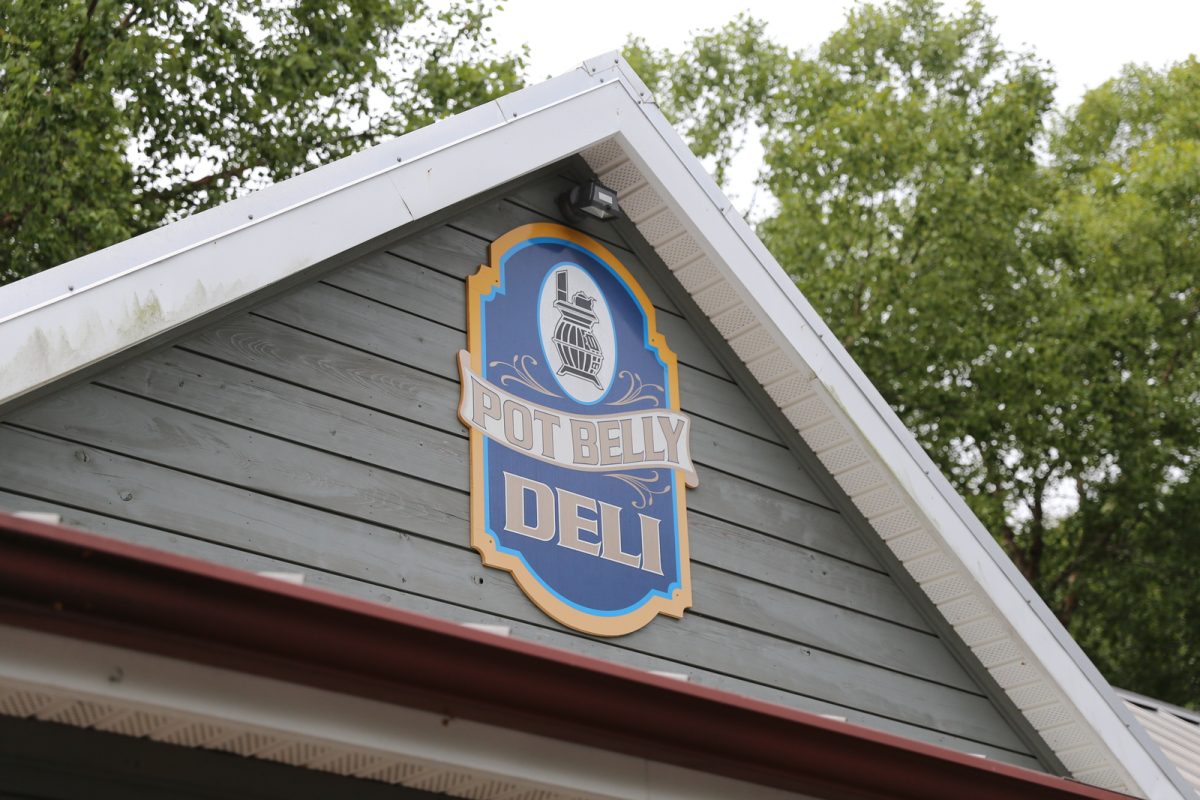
(520, 374)
(637, 390)
(642, 486)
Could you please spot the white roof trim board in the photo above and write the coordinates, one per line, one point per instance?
(63, 320)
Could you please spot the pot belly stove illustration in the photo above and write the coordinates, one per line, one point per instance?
(573, 339)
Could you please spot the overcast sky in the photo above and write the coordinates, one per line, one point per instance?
(1086, 42)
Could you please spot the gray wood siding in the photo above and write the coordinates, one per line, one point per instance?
(317, 433)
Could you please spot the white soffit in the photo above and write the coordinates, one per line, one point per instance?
(128, 693)
(62, 320)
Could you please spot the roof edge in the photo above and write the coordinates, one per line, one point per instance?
(86, 586)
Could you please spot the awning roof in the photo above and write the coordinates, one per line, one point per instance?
(66, 582)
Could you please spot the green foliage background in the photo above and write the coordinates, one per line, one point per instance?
(1022, 286)
(116, 117)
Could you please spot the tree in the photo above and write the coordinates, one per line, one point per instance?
(1023, 293)
(118, 116)
(1126, 243)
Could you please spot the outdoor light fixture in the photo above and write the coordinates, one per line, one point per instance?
(590, 198)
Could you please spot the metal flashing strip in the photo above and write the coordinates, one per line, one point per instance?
(120, 638)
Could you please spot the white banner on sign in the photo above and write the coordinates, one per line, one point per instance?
(646, 439)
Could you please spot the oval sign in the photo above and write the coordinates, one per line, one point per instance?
(576, 332)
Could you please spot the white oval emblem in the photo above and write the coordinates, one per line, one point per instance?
(577, 333)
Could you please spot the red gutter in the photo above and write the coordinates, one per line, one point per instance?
(86, 586)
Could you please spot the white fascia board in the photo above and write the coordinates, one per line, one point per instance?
(67, 318)
(761, 284)
(138, 694)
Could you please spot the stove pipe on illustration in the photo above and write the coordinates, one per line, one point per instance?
(577, 346)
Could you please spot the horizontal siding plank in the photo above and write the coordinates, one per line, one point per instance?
(759, 508)
(370, 326)
(198, 548)
(687, 345)
(722, 401)
(404, 284)
(770, 464)
(783, 564)
(263, 464)
(449, 250)
(126, 488)
(214, 389)
(818, 673)
(724, 648)
(810, 622)
(330, 367)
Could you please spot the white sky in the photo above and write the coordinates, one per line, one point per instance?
(1085, 42)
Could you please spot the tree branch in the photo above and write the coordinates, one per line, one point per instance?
(129, 18)
(1038, 529)
(200, 183)
(79, 56)
(1179, 352)
(1090, 542)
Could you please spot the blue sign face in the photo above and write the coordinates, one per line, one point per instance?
(579, 454)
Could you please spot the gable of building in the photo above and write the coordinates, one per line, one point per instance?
(316, 433)
(135, 294)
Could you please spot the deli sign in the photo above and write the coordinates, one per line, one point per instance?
(579, 453)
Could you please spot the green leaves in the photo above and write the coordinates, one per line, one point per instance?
(714, 91)
(1024, 295)
(1125, 225)
(116, 117)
